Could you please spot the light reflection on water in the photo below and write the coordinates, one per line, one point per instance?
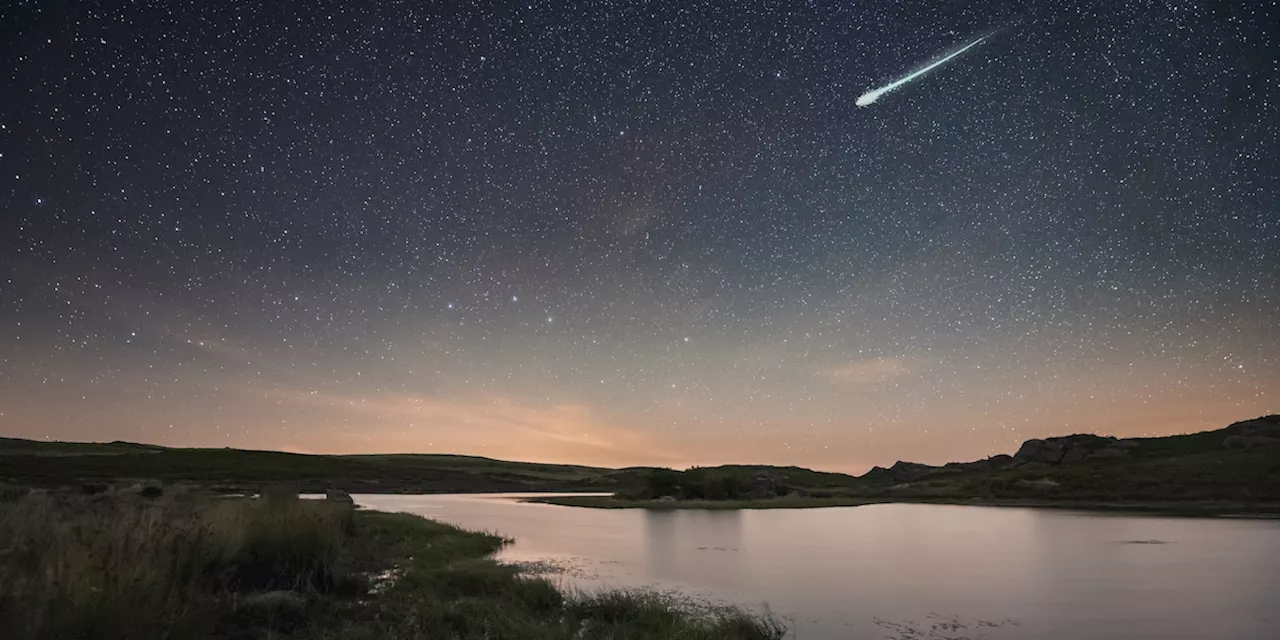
(910, 570)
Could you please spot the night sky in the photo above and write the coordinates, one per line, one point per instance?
(637, 232)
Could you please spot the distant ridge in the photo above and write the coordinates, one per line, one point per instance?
(1238, 462)
(1042, 454)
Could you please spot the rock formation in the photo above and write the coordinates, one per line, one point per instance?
(1259, 432)
(1047, 453)
(1069, 449)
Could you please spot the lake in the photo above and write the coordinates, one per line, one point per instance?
(910, 570)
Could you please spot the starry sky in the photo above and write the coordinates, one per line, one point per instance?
(625, 233)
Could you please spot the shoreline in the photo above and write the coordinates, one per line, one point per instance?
(200, 567)
(1265, 511)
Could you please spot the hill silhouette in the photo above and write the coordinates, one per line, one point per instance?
(1239, 463)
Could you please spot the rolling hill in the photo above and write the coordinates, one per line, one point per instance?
(29, 462)
(1239, 463)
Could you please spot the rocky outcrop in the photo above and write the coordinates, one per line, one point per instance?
(900, 472)
(1259, 432)
(1001, 462)
(1068, 450)
(903, 473)
(1049, 453)
(994, 463)
(1038, 450)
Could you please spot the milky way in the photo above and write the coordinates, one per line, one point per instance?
(636, 233)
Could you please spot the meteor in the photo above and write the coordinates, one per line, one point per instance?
(873, 95)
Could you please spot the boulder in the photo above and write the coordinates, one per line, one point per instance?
(339, 496)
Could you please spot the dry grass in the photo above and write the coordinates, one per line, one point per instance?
(449, 589)
(123, 567)
(126, 567)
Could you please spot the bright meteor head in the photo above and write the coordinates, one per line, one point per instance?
(873, 95)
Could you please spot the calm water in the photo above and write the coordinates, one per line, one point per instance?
(912, 571)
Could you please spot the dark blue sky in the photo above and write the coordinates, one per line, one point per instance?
(637, 232)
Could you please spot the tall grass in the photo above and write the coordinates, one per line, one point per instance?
(120, 567)
(449, 588)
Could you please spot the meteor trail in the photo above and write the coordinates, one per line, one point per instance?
(873, 95)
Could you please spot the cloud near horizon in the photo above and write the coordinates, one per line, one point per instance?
(489, 425)
(869, 372)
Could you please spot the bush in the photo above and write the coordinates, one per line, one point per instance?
(702, 484)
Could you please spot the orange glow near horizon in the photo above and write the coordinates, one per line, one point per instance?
(856, 417)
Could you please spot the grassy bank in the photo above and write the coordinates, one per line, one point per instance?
(124, 567)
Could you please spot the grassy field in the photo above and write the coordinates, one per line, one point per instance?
(122, 567)
(33, 463)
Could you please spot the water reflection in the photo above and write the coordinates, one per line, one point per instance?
(909, 570)
(660, 530)
(705, 542)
